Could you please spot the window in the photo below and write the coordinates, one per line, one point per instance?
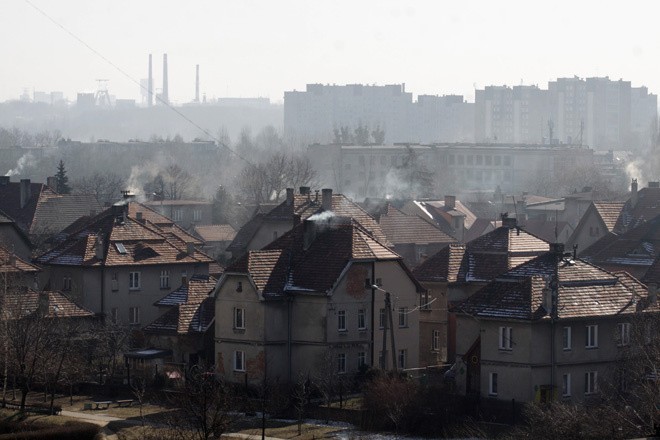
(239, 318)
(114, 283)
(66, 283)
(566, 385)
(114, 315)
(403, 316)
(341, 320)
(505, 338)
(134, 280)
(381, 318)
(362, 319)
(492, 385)
(341, 363)
(623, 333)
(402, 359)
(197, 215)
(435, 341)
(120, 248)
(164, 279)
(590, 385)
(239, 286)
(239, 360)
(134, 315)
(592, 337)
(567, 340)
(362, 359)
(178, 215)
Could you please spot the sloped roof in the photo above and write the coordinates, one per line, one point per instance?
(125, 241)
(584, 290)
(164, 224)
(10, 203)
(483, 258)
(198, 287)
(288, 265)
(186, 318)
(400, 228)
(11, 263)
(547, 230)
(55, 212)
(609, 212)
(436, 210)
(646, 208)
(212, 233)
(480, 227)
(28, 301)
(653, 273)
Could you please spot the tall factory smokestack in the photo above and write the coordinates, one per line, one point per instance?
(197, 84)
(150, 86)
(165, 95)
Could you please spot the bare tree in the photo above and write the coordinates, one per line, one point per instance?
(106, 186)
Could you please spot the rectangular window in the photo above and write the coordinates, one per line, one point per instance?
(566, 385)
(505, 338)
(435, 342)
(134, 280)
(197, 215)
(164, 279)
(402, 359)
(134, 315)
(590, 382)
(341, 320)
(66, 283)
(114, 282)
(381, 318)
(341, 363)
(362, 359)
(592, 337)
(623, 333)
(178, 215)
(239, 360)
(362, 319)
(239, 318)
(403, 316)
(492, 385)
(567, 340)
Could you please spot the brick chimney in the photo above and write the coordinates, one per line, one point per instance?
(508, 222)
(51, 181)
(326, 199)
(633, 193)
(26, 192)
(450, 202)
(289, 196)
(309, 233)
(557, 248)
(304, 190)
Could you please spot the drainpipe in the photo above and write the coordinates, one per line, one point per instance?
(373, 311)
(289, 304)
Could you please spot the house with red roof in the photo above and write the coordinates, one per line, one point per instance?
(313, 302)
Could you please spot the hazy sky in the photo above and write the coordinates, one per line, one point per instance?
(262, 48)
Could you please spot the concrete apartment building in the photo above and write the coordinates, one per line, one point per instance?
(306, 306)
(554, 328)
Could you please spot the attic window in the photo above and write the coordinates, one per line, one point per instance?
(120, 248)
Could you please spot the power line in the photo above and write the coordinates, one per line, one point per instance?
(130, 78)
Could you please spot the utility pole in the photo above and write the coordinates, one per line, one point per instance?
(387, 318)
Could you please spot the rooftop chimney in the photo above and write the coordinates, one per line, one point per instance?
(190, 248)
(26, 192)
(51, 181)
(197, 83)
(326, 199)
(508, 222)
(289, 196)
(633, 193)
(139, 217)
(150, 86)
(450, 202)
(165, 93)
(304, 190)
(557, 248)
(309, 233)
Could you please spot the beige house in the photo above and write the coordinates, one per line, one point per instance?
(552, 328)
(312, 303)
(123, 260)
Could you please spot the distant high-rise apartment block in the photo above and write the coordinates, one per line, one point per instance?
(315, 114)
(597, 112)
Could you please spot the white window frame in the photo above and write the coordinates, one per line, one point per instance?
(134, 280)
(341, 320)
(133, 315)
(362, 358)
(590, 382)
(623, 333)
(341, 363)
(239, 318)
(566, 385)
(362, 319)
(239, 360)
(403, 317)
(492, 384)
(567, 338)
(505, 339)
(591, 336)
(402, 359)
(165, 279)
(435, 340)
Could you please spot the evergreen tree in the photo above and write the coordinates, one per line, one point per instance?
(62, 179)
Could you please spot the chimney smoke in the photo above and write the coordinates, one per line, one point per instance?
(326, 199)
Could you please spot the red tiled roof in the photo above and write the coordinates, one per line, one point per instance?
(125, 240)
(609, 212)
(443, 266)
(400, 228)
(197, 288)
(480, 227)
(187, 318)
(646, 208)
(28, 301)
(11, 263)
(215, 232)
(55, 212)
(436, 210)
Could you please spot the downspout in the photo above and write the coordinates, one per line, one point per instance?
(289, 301)
(373, 311)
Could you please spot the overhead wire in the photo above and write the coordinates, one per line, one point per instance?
(130, 78)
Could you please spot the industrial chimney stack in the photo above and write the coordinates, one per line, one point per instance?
(150, 86)
(197, 84)
(165, 94)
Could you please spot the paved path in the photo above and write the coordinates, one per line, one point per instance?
(100, 419)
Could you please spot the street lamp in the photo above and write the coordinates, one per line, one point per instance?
(387, 318)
